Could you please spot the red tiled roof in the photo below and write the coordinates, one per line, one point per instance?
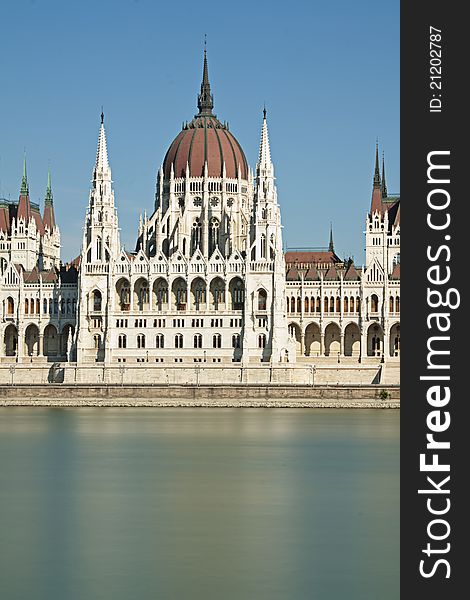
(311, 258)
(5, 219)
(396, 272)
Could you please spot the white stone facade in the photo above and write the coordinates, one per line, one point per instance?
(208, 281)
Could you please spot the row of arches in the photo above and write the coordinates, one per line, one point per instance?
(53, 343)
(311, 342)
(50, 306)
(334, 304)
(216, 296)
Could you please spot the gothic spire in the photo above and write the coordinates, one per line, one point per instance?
(48, 199)
(264, 149)
(24, 180)
(49, 217)
(102, 163)
(205, 100)
(384, 185)
(377, 171)
(331, 246)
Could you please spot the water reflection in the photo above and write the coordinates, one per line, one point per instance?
(199, 503)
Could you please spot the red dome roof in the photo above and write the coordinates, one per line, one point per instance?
(205, 139)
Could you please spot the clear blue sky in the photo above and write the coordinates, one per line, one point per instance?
(328, 72)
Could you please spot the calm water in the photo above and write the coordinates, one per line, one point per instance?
(199, 504)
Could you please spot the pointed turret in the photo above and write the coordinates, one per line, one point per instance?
(24, 206)
(376, 204)
(384, 185)
(205, 100)
(377, 171)
(24, 180)
(49, 217)
(331, 246)
(264, 149)
(102, 170)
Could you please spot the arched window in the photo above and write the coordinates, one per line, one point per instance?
(97, 298)
(318, 304)
(307, 304)
(26, 306)
(141, 340)
(397, 304)
(391, 306)
(263, 246)
(262, 297)
(358, 304)
(178, 340)
(97, 341)
(196, 235)
(68, 306)
(38, 306)
(332, 304)
(338, 304)
(299, 305)
(292, 304)
(288, 304)
(213, 235)
(197, 340)
(217, 340)
(374, 303)
(236, 340)
(56, 306)
(325, 304)
(122, 341)
(44, 306)
(99, 248)
(345, 304)
(159, 340)
(10, 306)
(312, 304)
(262, 341)
(351, 304)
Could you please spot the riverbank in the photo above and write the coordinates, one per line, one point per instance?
(229, 396)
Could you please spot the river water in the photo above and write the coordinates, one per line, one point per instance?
(200, 504)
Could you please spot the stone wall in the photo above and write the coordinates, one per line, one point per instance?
(289, 374)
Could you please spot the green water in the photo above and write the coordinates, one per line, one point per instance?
(200, 504)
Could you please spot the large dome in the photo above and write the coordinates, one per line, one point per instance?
(205, 138)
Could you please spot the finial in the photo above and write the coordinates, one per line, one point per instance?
(102, 115)
(264, 111)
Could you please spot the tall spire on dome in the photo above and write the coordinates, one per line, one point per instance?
(102, 163)
(377, 170)
(24, 180)
(384, 185)
(264, 149)
(205, 100)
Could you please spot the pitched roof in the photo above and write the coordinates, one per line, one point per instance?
(331, 273)
(311, 274)
(293, 275)
(396, 272)
(351, 273)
